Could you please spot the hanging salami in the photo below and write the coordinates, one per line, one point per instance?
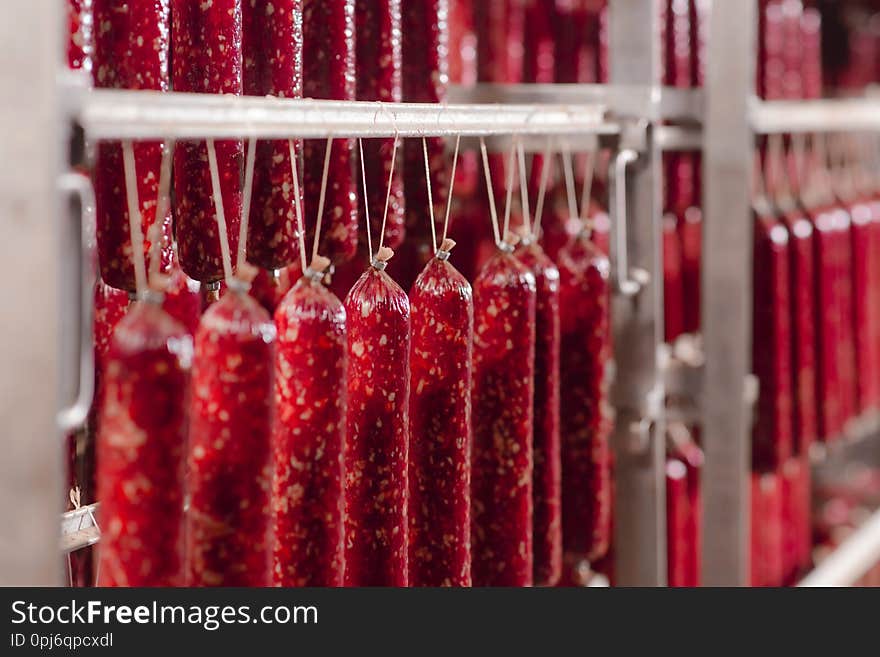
(309, 434)
(771, 346)
(272, 52)
(585, 415)
(131, 52)
(329, 73)
(442, 318)
(206, 58)
(229, 467)
(425, 34)
(829, 414)
(678, 513)
(503, 415)
(377, 448)
(546, 482)
(379, 78)
(802, 308)
(141, 443)
(183, 299)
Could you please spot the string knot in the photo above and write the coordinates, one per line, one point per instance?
(318, 267)
(380, 261)
(445, 249)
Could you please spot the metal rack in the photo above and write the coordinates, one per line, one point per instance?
(634, 111)
(625, 111)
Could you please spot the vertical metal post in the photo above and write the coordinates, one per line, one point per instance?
(727, 289)
(30, 140)
(640, 520)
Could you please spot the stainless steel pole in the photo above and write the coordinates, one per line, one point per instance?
(728, 146)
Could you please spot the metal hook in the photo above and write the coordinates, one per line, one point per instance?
(628, 283)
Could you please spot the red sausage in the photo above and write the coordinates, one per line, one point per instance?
(442, 320)
(678, 44)
(803, 334)
(846, 346)
(766, 530)
(229, 453)
(270, 286)
(503, 414)
(673, 285)
(131, 52)
(110, 306)
(586, 455)
(206, 57)
(678, 514)
(272, 43)
(379, 78)
(80, 34)
(538, 44)
(141, 445)
(462, 42)
(376, 452)
(771, 345)
(863, 304)
(309, 436)
(329, 73)
(828, 388)
(183, 299)
(425, 33)
(546, 482)
(576, 30)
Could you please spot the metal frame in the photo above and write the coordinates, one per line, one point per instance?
(851, 561)
(630, 111)
(637, 394)
(112, 114)
(727, 292)
(31, 387)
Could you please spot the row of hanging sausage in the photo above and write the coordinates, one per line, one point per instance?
(390, 440)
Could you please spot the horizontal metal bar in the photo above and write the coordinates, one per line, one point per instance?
(851, 561)
(664, 103)
(831, 115)
(79, 528)
(678, 138)
(117, 114)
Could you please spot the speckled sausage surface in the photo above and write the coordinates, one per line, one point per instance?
(309, 437)
(546, 482)
(585, 414)
(829, 410)
(80, 34)
(377, 448)
(425, 37)
(141, 450)
(677, 515)
(329, 73)
(863, 306)
(503, 413)
(183, 299)
(771, 346)
(131, 52)
(228, 540)
(272, 51)
(442, 319)
(379, 47)
(803, 333)
(206, 49)
(110, 306)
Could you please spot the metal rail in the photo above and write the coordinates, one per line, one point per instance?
(727, 293)
(831, 115)
(623, 100)
(851, 560)
(116, 114)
